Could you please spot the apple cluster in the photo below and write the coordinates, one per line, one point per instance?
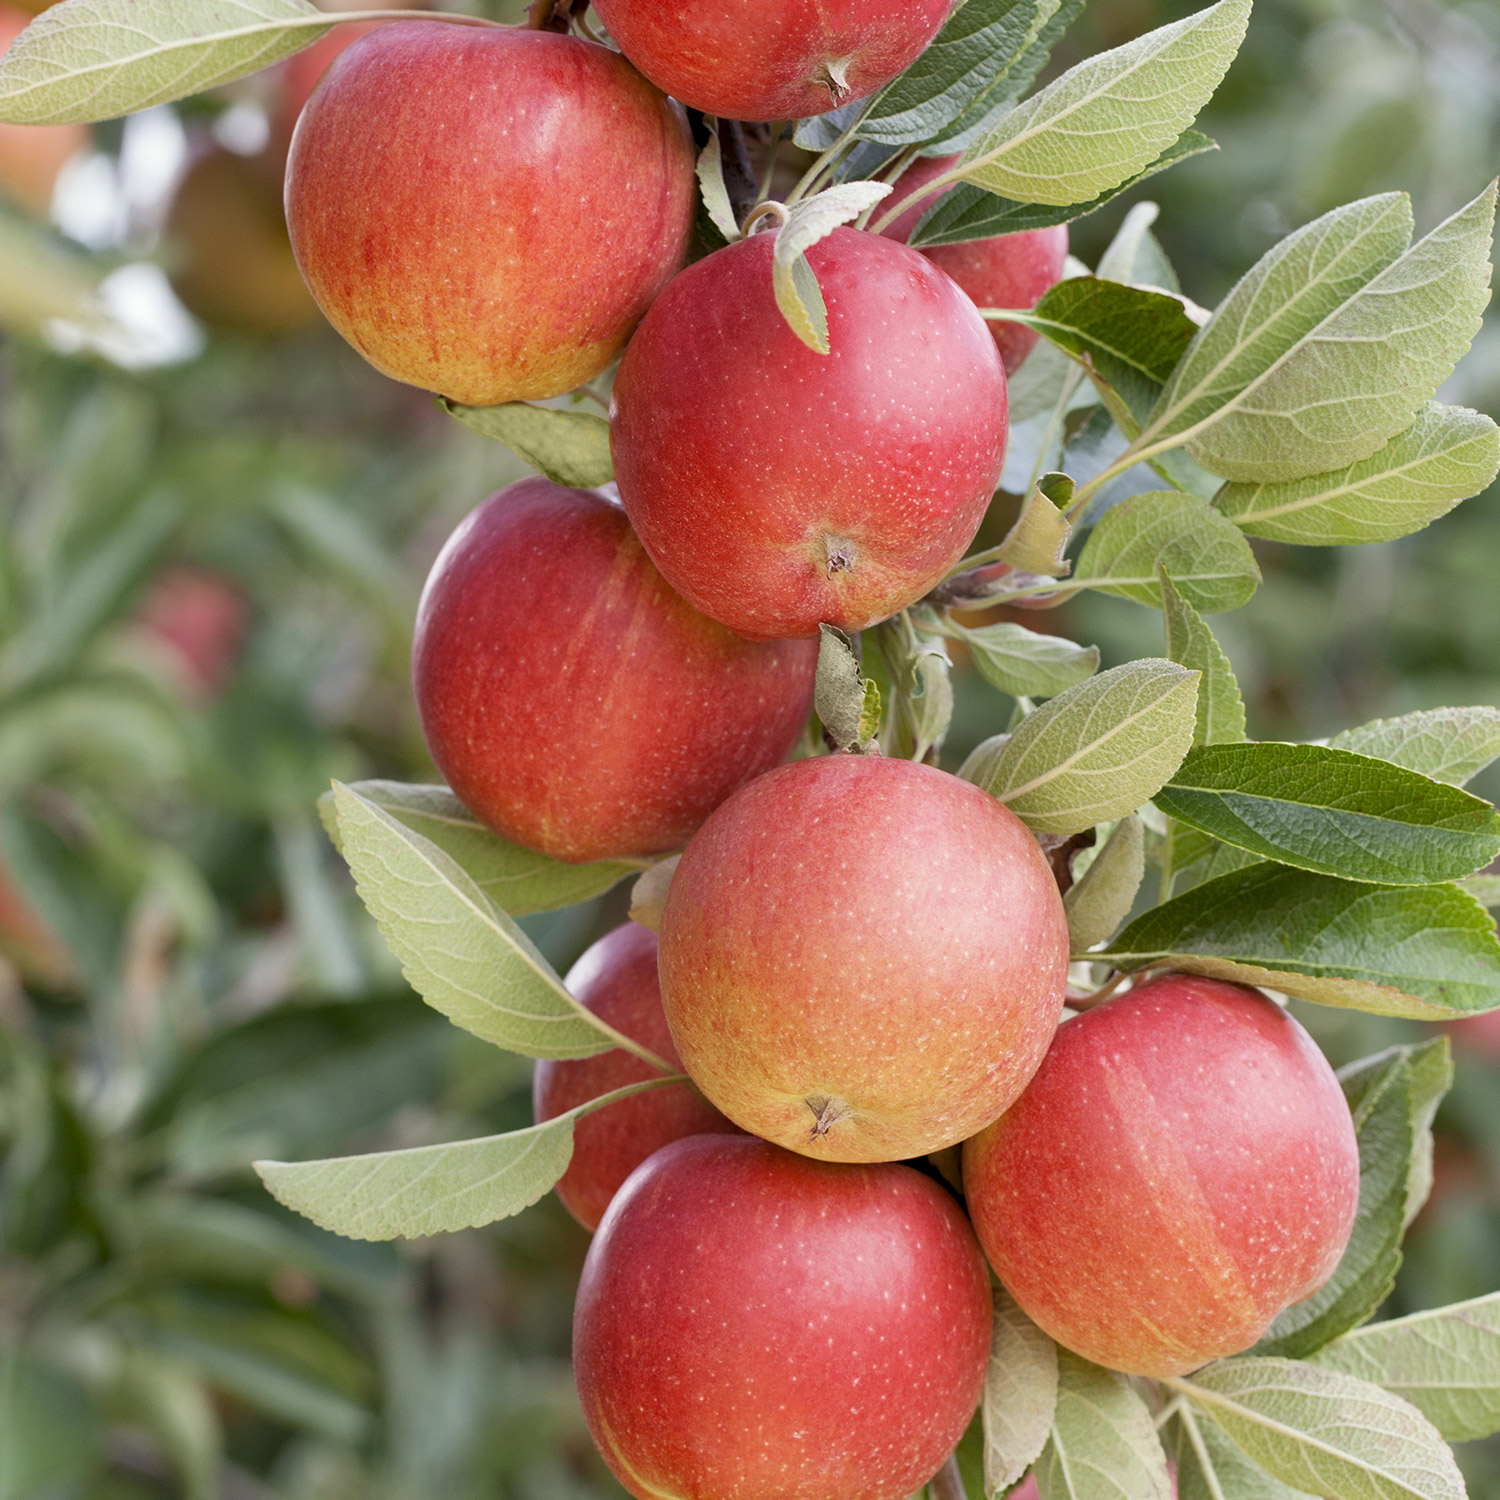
(862, 963)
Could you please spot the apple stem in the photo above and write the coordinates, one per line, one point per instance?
(948, 1483)
(1099, 996)
(770, 209)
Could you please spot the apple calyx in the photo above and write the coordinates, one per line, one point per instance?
(834, 76)
(839, 555)
(826, 1112)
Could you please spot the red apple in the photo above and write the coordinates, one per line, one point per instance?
(616, 980)
(863, 959)
(772, 59)
(487, 212)
(1182, 1168)
(752, 1325)
(199, 620)
(573, 701)
(31, 156)
(777, 487)
(1010, 270)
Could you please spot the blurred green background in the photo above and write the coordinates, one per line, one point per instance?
(215, 529)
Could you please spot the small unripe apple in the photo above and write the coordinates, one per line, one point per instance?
(32, 156)
(752, 1325)
(1009, 270)
(863, 959)
(616, 980)
(573, 701)
(776, 487)
(772, 59)
(1182, 1168)
(487, 213)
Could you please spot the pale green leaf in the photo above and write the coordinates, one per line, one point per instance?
(1447, 455)
(839, 694)
(1103, 1444)
(519, 881)
(1207, 556)
(1447, 744)
(796, 287)
(1020, 1394)
(1099, 750)
(95, 59)
(1039, 538)
(1446, 1362)
(570, 447)
(1101, 900)
(1210, 1467)
(1109, 117)
(1325, 1432)
(1027, 663)
(1427, 952)
(1221, 710)
(1483, 888)
(711, 186)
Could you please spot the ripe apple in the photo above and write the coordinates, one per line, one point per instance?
(31, 156)
(484, 212)
(752, 1325)
(616, 980)
(573, 701)
(772, 59)
(1182, 1168)
(863, 959)
(1010, 270)
(777, 487)
(198, 619)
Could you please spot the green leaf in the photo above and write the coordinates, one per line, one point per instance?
(846, 704)
(1483, 888)
(1332, 344)
(95, 59)
(1392, 1101)
(921, 690)
(1210, 1467)
(1446, 1362)
(1020, 1395)
(1221, 710)
(1447, 455)
(1132, 338)
(570, 447)
(1447, 744)
(1026, 663)
(963, 69)
(460, 952)
(1103, 1444)
(714, 193)
(519, 881)
(969, 213)
(1324, 1432)
(1111, 116)
(1097, 751)
(435, 1189)
(1039, 538)
(1333, 811)
(1101, 900)
(42, 278)
(1427, 952)
(797, 292)
(1208, 557)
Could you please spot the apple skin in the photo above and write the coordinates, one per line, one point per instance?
(487, 213)
(863, 959)
(573, 701)
(32, 156)
(616, 980)
(1182, 1168)
(776, 487)
(1009, 270)
(751, 1325)
(772, 59)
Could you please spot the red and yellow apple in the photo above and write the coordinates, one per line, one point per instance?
(863, 959)
(772, 59)
(1008, 270)
(616, 980)
(776, 487)
(1181, 1169)
(573, 701)
(487, 213)
(752, 1325)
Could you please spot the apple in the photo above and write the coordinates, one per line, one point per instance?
(777, 487)
(232, 263)
(751, 1325)
(863, 959)
(573, 701)
(1009, 270)
(1182, 1168)
(616, 980)
(487, 213)
(198, 619)
(32, 156)
(772, 59)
